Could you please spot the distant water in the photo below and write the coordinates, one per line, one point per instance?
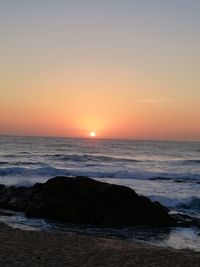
(165, 171)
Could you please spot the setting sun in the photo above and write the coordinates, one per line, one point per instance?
(92, 134)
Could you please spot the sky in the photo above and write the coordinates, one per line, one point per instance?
(121, 68)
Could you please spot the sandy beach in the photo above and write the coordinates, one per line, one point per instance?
(29, 248)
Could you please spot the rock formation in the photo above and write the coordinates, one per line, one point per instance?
(83, 200)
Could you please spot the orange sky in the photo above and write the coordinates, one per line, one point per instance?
(128, 70)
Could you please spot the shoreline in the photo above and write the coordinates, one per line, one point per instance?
(30, 248)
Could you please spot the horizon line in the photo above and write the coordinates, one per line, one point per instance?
(100, 138)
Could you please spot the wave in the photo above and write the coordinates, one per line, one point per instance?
(95, 172)
(4, 162)
(48, 171)
(174, 179)
(10, 156)
(192, 161)
(161, 178)
(179, 204)
(190, 203)
(27, 163)
(52, 171)
(89, 157)
(22, 163)
(180, 161)
(114, 159)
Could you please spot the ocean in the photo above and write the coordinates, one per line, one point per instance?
(165, 171)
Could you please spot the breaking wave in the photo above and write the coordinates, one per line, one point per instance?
(189, 203)
(104, 172)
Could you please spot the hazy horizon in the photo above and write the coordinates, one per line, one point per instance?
(123, 69)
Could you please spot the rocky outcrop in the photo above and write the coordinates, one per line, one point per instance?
(14, 198)
(83, 200)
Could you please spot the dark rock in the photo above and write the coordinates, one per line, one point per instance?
(14, 198)
(86, 201)
(83, 200)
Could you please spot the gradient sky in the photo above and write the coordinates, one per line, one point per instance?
(122, 68)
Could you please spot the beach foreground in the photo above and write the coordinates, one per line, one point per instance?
(29, 248)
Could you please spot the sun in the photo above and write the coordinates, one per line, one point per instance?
(92, 134)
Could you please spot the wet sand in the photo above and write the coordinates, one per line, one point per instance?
(28, 248)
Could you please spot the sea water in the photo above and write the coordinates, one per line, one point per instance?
(168, 172)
